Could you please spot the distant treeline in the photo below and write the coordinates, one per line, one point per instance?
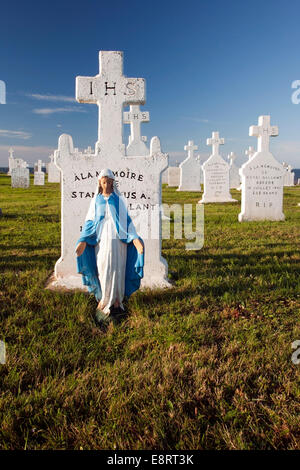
(31, 170)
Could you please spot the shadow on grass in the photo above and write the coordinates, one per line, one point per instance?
(27, 263)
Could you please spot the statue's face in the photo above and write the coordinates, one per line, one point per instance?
(106, 185)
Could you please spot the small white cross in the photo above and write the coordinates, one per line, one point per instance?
(189, 148)
(110, 90)
(263, 131)
(135, 117)
(40, 164)
(250, 152)
(231, 157)
(19, 163)
(88, 150)
(215, 141)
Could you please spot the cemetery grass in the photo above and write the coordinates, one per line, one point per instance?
(205, 364)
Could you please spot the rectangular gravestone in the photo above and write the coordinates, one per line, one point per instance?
(262, 178)
(39, 175)
(173, 176)
(234, 176)
(164, 177)
(138, 178)
(216, 174)
(53, 171)
(20, 177)
(190, 170)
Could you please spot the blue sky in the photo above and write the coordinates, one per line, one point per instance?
(208, 64)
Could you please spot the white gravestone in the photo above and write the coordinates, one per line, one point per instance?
(234, 176)
(190, 170)
(262, 178)
(173, 176)
(14, 162)
(137, 177)
(198, 158)
(135, 118)
(216, 174)
(53, 171)
(250, 152)
(88, 150)
(20, 175)
(164, 177)
(11, 161)
(289, 177)
(39, 175)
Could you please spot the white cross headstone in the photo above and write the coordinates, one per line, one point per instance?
(250, 152)
(173, 176)
(190, 170)
(135, 118)
(199, 159)
(88, 150)
(164, 177)
(10, 161)
(110, 90)
(216, 174)
(289, 176)
(234, 177)
(20, 175)
(53, 171)
(262, 178)
(137, 177)
(39, 175)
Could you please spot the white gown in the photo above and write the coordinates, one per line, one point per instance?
(111, 255)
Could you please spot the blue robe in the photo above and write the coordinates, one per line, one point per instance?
(86, 263)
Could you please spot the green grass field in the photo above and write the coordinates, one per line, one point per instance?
(203, 365)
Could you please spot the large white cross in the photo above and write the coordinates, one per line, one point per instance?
(135, 117)
(250, 152)
(110, 90)
(215, 141)
(263, 131)
(189, 148)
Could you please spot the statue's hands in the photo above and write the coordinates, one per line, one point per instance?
(80, 248)
(139, 245)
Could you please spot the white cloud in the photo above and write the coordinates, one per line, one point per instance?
(15, 134)
(38, 96)
(195, 119)
(68, 109)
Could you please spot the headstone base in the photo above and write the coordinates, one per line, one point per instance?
(190, 190)
(74, 282)
(256, 218)
(207, 200)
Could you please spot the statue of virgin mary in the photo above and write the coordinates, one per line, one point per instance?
(110, 254)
